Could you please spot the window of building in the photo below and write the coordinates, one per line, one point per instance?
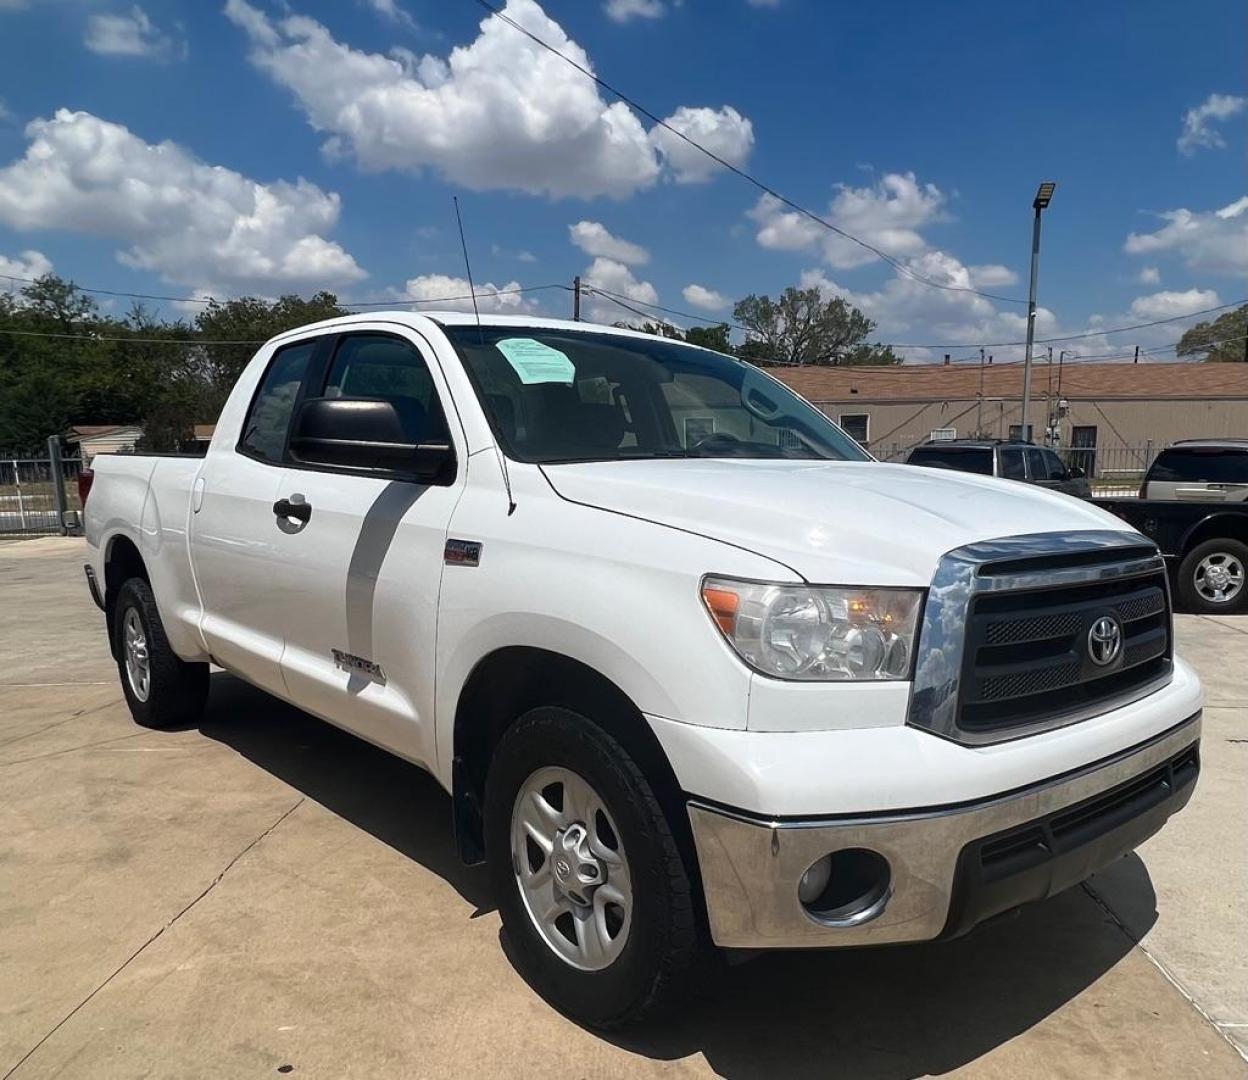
(857, 426)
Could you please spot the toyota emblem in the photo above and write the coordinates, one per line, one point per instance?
(1104, 641)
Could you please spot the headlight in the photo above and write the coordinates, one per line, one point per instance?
(817, 632)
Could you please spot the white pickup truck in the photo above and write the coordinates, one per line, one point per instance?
(692, 666)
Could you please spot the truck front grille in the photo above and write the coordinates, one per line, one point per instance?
(1028, 658)
(1008, 648)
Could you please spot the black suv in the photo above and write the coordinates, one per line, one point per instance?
(1008, 460)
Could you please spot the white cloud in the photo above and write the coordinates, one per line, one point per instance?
(707, 299)
(500, 252)
(1149, 275)
(593, 238)
(495, 299)
(1198, 132)
(392, 12)
(4, 111)
(195, 224)
(613, 276)
(132, 34)
(991, 276)
(725, 132)
(1165, 305)
(625, 10)
(887, 215)
(498, 113)
(1212, 241)
(27, 264)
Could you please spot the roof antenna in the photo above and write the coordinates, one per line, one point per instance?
(502, 458)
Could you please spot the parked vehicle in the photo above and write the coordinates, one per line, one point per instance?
(692, 666)
(1205, 547)
(1009, 460)
(1203, 470)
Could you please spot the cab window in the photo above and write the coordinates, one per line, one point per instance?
(389, 368)
(268, 419)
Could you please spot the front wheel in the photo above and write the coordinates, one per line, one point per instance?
(1212, 578)
(594, 896)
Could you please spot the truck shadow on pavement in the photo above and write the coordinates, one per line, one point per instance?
(894, 1012)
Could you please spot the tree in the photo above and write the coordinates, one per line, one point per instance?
(710, 337)
(1218, 342)
(249, 322)
(803, 328)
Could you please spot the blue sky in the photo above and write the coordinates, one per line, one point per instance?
(193, 148)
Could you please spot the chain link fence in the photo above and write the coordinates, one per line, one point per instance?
(29, 493)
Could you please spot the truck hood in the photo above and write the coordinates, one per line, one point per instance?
(832, 522)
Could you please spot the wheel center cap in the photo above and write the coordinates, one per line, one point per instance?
(1218, 577)
(577, 870)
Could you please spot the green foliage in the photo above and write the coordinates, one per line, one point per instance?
(107, 370)
(802, 328)
(710, 337)
(1209, 341)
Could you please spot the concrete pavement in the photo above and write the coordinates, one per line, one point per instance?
(265, 895)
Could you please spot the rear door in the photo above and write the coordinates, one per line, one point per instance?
(361, 633)
(237, 546)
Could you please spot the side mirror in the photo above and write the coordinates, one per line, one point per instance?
(1075, 473)
(370, 435)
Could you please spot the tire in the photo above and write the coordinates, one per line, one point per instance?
(1196, 587)
(175, 691)
(645, 965)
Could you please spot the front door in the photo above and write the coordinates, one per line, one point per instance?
(361, 651)
(237, 544)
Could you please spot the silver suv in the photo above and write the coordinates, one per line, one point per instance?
(1201, 470)
(1009, 460)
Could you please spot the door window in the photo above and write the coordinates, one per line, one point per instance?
(1012, 463)
(1057, 471)
(268, 420)
(1036, 465)
(386, 367)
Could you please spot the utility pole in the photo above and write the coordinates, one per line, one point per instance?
(1137, 355)
(979, 408)
(1048, 402)
(1044, 195)
(576, 298)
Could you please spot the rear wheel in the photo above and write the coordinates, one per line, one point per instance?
(161, 689)
(1212, 578)
(594, 897)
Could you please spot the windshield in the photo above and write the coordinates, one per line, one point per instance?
(566, 395)
(976, 459)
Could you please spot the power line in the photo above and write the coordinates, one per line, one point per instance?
(406, 301)
(899, 266)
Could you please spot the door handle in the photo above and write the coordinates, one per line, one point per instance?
(300, 511)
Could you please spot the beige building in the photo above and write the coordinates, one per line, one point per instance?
(1104, 410)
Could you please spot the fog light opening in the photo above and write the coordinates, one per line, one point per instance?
(846, 888)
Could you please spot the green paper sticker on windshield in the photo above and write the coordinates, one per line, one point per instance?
(537, 363)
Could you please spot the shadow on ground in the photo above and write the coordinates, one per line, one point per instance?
(893, 1012)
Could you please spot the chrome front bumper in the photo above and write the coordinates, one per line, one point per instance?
(751, 867)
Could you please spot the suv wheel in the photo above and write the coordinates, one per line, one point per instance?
(161, 689)
(593, 893)
(1212, 578)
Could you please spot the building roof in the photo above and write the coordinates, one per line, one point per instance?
(961, 382)
(86, 432)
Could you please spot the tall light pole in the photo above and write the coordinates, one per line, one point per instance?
(1044, 195)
